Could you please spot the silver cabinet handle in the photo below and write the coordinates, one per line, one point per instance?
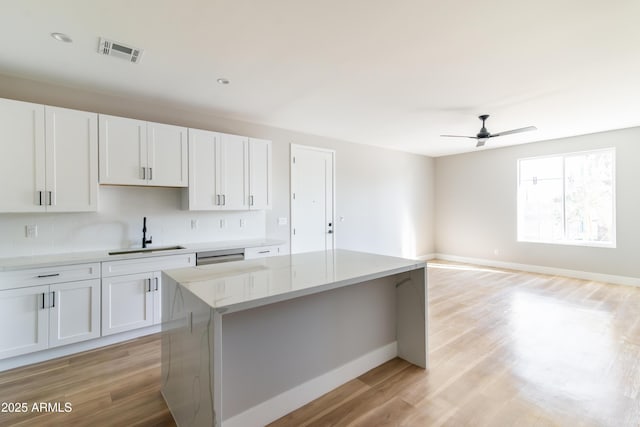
(40, 198)
(251, 200)
(224, 200)
(217, 200)
(264, 252)
(53, 303)
(50, 197)
(150, 174)
(43, 300)
(148, 285)
(156, 279)
(144, 173)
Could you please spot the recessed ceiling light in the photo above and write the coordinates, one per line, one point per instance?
(61, 37)
(223, 81)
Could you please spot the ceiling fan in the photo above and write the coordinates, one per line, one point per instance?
(484, 134)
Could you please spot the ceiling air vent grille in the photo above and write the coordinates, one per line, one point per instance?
(120, 50)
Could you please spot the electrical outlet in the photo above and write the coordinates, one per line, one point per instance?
(223, 223)
(282, 220)
(243, 223)
(31, 231)
(194, 224)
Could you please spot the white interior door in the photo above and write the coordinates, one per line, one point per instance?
(312, 190)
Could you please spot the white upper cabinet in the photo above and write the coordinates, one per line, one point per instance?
(202, 170)
(72, 160)
(233, 172)
(135, 152)
(218, 172)
(259, 174)
(22, 156)
(167, 155)
(228, 172)
(49, 156)
(123, 151)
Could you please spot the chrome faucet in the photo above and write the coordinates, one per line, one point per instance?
(144, 233)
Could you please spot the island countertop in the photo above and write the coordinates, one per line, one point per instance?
(241, 285)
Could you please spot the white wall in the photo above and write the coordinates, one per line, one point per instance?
(118, 224)
(386, 197)
(476, 207)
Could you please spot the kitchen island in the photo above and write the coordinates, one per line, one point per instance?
(247, 342)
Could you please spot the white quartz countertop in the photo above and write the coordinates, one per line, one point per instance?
(240, 285)
(50, 260)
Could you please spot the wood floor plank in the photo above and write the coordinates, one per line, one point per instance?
(507, 348)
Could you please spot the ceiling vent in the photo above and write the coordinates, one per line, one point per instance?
(120, 50)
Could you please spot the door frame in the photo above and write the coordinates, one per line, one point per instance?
(292, 148)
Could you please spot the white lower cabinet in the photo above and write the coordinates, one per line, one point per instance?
(131, 291)
(39, 311)
(129, 302)
(74, 313)
(24, 323)
(263, 251)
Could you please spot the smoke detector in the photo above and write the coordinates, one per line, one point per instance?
(119, 50)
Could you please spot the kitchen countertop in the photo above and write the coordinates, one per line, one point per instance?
(51, 260)
(247, 284)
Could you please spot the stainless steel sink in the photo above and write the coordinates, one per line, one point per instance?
(146, 250)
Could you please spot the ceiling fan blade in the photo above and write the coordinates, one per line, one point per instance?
(481, 143)
(459, 136)
(509, 132)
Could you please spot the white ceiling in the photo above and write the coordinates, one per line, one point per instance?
(389, 73)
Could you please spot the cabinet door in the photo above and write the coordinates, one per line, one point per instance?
(24, 321)
(22, 157)
(233, 172)
(123, 151)
(203, 158)
(127, 303)
(71, 160)
(167, 155)
(259, 174)
(75, 312)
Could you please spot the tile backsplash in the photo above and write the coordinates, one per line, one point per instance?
(118, 224)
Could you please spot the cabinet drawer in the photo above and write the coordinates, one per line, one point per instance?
(146, 265)
(48, 275)
(261, 252)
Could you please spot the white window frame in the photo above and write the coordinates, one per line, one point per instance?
(611, 244)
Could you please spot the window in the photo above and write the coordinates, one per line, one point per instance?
(568, 199)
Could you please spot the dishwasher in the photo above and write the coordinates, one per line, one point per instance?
(216, 257)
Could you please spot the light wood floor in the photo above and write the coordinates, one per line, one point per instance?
(506, 349)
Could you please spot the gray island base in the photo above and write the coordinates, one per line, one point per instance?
(246, 342)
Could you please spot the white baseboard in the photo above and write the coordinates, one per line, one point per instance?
(293, 399)
(586, 275)
(426, 257)
(53, 353)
